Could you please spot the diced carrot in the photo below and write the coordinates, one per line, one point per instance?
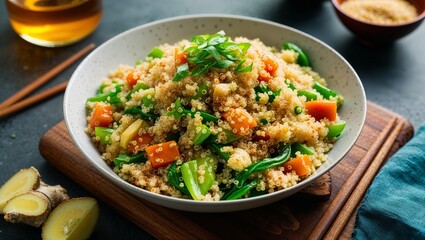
(132, 77)
(240, 120)
(163, 154)
(322, 109)
(270, 65)
(301, 165)
(102, 115)
(180, 57)
(138, 143)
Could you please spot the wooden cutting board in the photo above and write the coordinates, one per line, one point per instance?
(291, 218)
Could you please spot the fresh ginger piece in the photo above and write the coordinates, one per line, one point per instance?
(131, 131)
(33, 207)
(72, 219)
(23, 181)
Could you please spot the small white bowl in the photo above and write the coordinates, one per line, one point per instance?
(135, 44)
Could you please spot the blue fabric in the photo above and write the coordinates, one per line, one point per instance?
(394, 205)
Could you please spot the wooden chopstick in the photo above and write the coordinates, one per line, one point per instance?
(33, 100)
(357, 195)
(343, 194)
(45, 77)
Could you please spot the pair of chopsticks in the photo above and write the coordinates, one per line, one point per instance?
(14, 104)
(340, 210)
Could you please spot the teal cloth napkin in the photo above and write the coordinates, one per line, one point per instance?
(394, 205)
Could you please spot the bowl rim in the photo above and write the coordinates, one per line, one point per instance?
(418, 18)
(132, 188)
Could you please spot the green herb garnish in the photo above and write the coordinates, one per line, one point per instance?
(182, 72)
(208, 51)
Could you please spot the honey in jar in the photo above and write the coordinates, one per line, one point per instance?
(53, 23)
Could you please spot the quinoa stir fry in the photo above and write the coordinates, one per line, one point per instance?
(215, 118)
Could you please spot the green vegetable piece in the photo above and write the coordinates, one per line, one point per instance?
(324, 91)
(290, 85)
(335, 130)
(206, 117)
(201, 69)
(217, 149)
(266, 163)
(255, 193)
(242, 191)
(298, 110)
(201, 92)
(174, 178)
(178, 111)
(302, 59)
(209, 165)
(182, 72)
(264, 121)
(264, 88)
(204, 133)
(274, 95)
(143, 115)
(100, 90)
(110, 97)
(241, 69)
(190, 177)
(126, 159)
(308, 95)
(156, 53)
(230, 136)
(148, 100)
(136, 88)
(104, 134)
(302, 148)
(328, 93)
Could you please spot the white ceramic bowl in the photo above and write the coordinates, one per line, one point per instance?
(135, 44)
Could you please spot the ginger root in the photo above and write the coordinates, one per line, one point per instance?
(23, 181)
(33, 207)
(24, 198)
(72, 219)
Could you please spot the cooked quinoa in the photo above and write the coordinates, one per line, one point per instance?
(380, 11)
(162, 119)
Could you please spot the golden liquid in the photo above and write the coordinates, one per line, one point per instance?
(53, 23)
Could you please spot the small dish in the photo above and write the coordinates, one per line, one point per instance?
(375, 34)
(135, 44)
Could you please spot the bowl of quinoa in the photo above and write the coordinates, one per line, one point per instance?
(378, 22)
(198, 113)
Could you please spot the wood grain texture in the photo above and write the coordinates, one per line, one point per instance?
(361, 186)
(291, 218)
(344, 193)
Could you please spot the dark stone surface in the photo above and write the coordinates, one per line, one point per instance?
(393, 76)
